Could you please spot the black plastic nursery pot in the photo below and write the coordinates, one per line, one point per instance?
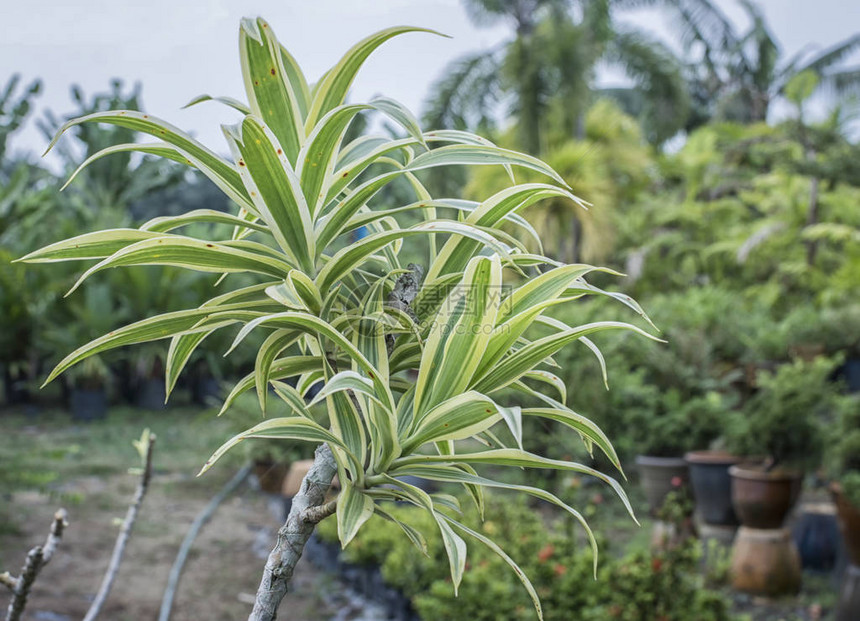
(88, 404)
(15, 388)
(816, 535)
(660, 476)
(712, 486)
(850, 371)
(150, 394)
(206, 390)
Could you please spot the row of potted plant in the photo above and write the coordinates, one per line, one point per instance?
(765, 447)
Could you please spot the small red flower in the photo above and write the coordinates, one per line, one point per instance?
(546, 553)
(677, 481)
(559, 569)
(656, 564)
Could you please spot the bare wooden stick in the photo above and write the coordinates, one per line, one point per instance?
(125, 531)
(199, 522)
(37, 558)
(309, 507)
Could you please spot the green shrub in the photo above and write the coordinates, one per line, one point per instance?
(844, 438)
(783, 420)
(640, 586)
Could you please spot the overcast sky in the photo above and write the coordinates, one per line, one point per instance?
(179, 49)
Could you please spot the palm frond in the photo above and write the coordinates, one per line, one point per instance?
(664, 97)
(833, 55)
(466, 94)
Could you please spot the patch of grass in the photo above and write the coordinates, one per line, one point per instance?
(42, 453)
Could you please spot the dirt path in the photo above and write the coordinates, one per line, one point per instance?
(221, 574)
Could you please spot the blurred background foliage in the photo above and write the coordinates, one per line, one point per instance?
(740, 237)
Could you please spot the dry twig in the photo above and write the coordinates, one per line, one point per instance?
(144, 447)
(37, 558)
(199, 522)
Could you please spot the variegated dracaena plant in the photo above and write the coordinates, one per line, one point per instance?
(421, 365)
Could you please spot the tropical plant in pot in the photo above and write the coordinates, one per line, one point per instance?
(845, 466)
(712, 486)
(671, 427)
(783, 420)
(82, 318)
(678, 398)
(843, 337)
(414, 359)
(781, 423)
(150, 291)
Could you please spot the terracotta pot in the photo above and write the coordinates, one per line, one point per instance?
(763, 499)
(849, 523)
(765, 562)
(712, 486)
(806, 351)
(661, 475)
(270, 475)
(296, 473)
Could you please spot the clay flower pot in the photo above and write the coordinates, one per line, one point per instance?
(848, 608)
(660, 476)
(765, 562)
(712, 486)
(270, 474)
(762, 499)
(849, 522)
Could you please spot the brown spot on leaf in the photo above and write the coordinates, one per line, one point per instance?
(210, 246)
(241, 163)
(272, 71)
(280, 152)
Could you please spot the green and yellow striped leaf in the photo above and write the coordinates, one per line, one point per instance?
(288, 428)
(268, 85)
(459, 417)
(458, 339)
(331, 90)
(189, 253)
(274, 188)
(353, 509)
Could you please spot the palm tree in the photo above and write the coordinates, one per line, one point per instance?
(545, 74)
(14, 108)
(111, 186)
(739, 74)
